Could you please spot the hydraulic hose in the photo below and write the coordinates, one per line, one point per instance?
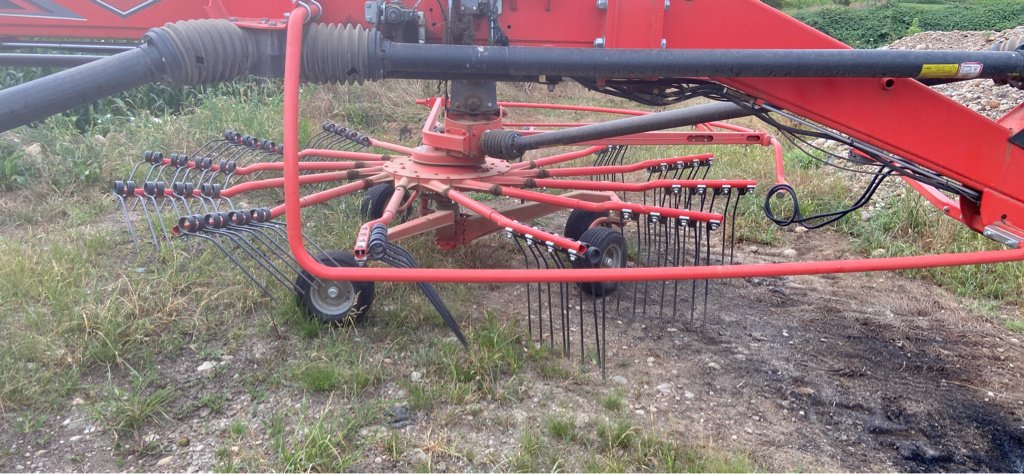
(192, 52)
(508, 144)
(48, 95)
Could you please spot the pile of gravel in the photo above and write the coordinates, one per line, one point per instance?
(980, 95)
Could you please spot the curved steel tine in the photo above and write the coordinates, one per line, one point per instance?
(275, 248)
(159, 217)
(153, 168)
(127, 221)
(234, 260)
(250, 250)
(149, 221)
(131, 175)
(529, 286)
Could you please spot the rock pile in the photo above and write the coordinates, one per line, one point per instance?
(982, 95)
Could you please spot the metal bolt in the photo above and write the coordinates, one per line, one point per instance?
(668, 3)
(664, 43)
(599, 42)
(333, 292)
(602, 4)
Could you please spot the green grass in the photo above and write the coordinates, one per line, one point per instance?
(614, 401)
(561, 428)
(78, 305)
(908, 225)
(324, 445)
(126, 411)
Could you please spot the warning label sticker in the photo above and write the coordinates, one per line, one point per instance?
(969, 70)
(939, 71)
(951, 71)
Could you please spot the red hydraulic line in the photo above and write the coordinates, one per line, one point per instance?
(497, 218)
(458, 275)
(570, 203)
(342, 155)
(307, 179)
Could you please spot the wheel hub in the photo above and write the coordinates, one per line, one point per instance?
(411, 167)
(334, 297)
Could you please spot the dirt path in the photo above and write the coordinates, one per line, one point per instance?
(860, 372)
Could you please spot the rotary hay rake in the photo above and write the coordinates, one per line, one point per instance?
(664, 211)
(644, 237)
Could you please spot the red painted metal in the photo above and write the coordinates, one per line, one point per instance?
(294, 202)
(908, 119)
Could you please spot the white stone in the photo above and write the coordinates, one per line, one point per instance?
(205, 366)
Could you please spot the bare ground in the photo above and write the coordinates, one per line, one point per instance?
(862, 372)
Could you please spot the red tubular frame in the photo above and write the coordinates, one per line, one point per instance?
(294, 202)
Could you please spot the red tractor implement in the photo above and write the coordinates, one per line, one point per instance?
(642, 236)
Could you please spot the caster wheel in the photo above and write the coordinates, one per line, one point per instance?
(579, 221)
(376, 200)
(613, 255)
(335, 301)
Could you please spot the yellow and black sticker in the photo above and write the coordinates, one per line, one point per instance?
(951, 71)
(939, 71)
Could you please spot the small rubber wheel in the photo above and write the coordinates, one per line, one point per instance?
(613, 255)
(579, 221)
(335, 301)
(376, 200)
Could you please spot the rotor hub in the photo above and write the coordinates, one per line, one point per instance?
(416, 169)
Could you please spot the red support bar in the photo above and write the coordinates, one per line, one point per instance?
(324, 196)
(342, 155)
(497, 218)
(556, 159)
(627, 187)
(303, 166)
(642, 165)
(273, 183)
(638, 209)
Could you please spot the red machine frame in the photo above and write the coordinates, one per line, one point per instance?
(900, 116)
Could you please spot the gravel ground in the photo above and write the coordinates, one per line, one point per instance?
(982, 95)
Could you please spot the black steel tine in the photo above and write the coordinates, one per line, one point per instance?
(732, 230)
(679, 263)
(235, 261)
(529, 299)
(128, 222)
(145, 214)
(252, 252)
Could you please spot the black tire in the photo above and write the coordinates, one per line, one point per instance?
(351, 301)
(579, 221)
(376, 200)
(613, 255)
